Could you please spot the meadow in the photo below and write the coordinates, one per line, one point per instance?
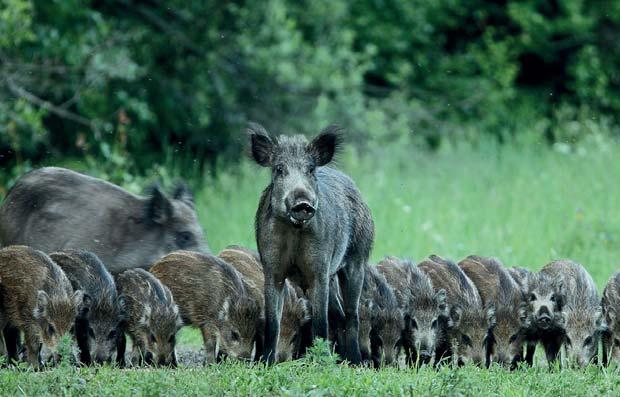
(525, 204)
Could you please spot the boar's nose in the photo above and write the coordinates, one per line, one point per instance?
(425, 357)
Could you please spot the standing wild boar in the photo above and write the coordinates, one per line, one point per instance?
(503, 298)
(54, 208)
(544, 321)
(311, 224)
(97, 325)
(611, 310)
(469, 319)
(211, 296)
(426, 311)
(152, 319)
(583, 320)
(295, 308)
(37, 298)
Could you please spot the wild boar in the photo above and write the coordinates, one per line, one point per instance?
(425, 311)
(211, 296)
(311, 224)
(469, 319)
(544, 304)
(382, 320)
(152, 320)
(97, 326)
(54, 209)
(611, 308)
(519, 275)
(295, 309)
(37, 298)
(583, 319)
(504, 301)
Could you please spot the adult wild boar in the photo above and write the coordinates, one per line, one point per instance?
(52, 209)
(611, 311)
(311, 224)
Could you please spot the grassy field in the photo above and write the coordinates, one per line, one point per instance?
(525, 206)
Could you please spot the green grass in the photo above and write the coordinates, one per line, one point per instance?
(525, 206)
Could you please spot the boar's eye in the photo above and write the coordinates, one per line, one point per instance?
(568, 341)
(414, 323)
(184, 239)
(279, 169)
(310, 169)
(552, 298)
(434, 324)
(234, 336)
(50, 329)
(152, 337)
(513, 338)
(532, 297)
(588, 341)
(617, 342)
(467, 340)
(171, 339)
(112, 334)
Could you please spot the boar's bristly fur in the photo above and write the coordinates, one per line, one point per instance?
(152, 319)
(97, 326)
(37, 298)
(211, 295)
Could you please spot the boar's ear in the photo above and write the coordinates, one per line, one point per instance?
(41, 308)
(305, 311)
(183, 193)
(325, 145)
(84, 305)
(158, 207)
(261, 144)
(455, 315)
(80, 299)
(440, 297)
(121, 303)
(224, 311)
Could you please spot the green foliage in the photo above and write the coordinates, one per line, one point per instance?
(154, 83)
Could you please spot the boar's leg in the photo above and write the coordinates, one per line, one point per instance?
(320, 305)
(121, 347)
(274, 290)
(81, 337)
(530, 350)
(210, 341)
(552, 350)
(351, 279)
(11, 342)
(139, 351)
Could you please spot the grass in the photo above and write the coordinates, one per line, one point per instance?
(524, 205)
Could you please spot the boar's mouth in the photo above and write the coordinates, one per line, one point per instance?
(301, 213)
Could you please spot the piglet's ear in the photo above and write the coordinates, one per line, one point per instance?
(325, 145)
(261, 144)
(223, 314)
(183, 193)
(42, 302)
(158, 207)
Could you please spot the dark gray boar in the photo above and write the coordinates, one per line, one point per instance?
(311, 224)
(504, 301)
(54, 209)
(98, 324)
(425, 310)
(611, 309)
(544, 324)
(211, 296)
(470, 320)
(152, 319)
(583, 318)
(295, 309)
(37, 298)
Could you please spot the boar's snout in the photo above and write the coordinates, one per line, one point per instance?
(301, 207)
(543, 319)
